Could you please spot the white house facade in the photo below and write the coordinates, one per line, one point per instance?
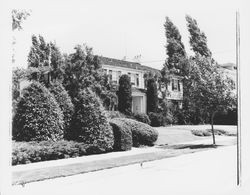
(115, 68)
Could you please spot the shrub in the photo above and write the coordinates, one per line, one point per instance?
(114, 114)
(152, 95)
(90, 124)
(29, 152)
(156, 119)
(122, 135)
(65, 103)
(142, 118)
(38, 116)
(142, 134)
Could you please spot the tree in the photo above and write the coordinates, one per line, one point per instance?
(210, 91)
(124, 94)
(174, 48)
(90, 124)
(18, 16)
(198, 39)
(152, 96)
(83, 70)
(45, 58)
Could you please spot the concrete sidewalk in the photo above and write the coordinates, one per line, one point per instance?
(211, 172)
(60, 168)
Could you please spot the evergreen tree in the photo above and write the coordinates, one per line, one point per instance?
(152, 96)
(174, 48)
(124, 95)
(198, 39)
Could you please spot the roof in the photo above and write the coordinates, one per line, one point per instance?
(125, 64)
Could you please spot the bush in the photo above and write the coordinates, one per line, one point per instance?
(38, 116)
(142, 118)
(29, 152)
(142, 134)
(90, 124)
(65, 103)
(114, 114)
(122, 135)
(156, 119)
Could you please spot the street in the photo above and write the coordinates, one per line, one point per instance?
(207, 172)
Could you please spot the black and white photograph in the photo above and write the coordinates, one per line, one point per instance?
(118, 97)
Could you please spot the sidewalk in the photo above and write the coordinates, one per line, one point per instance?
(60, 168)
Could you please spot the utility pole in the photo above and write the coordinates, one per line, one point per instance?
(238, 98)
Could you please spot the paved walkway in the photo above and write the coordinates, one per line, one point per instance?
(66, 167)
(211, 172)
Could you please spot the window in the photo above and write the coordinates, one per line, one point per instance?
(110, 75)
(105, 71)
(132, 78)
(179, 87)
(137, 80)
(174, 85)
(119, 73)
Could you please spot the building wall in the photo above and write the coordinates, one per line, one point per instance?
(133, 74)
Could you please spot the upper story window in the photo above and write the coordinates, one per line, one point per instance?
(175, 85)
(110, 75)
(137, 80)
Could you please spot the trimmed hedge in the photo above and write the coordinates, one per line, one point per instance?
(90, 124)
(156, 119)
(142, 134)
(114, 114)
(122, 135)
(38, 116)
(29, 152)
(142, 118)
(63, 99)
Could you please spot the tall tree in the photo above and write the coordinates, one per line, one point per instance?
(198, 39)
(45, 57)
(174, 48)
(124, 94)
(210, 91)
(152, 96)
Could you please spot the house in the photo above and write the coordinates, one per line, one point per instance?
(115, 68)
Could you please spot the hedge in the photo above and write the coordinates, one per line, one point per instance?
(142, 134)
(38, 116)
(89, 123)
(29, 152)
(142, 118)
(156, 119)
(122, 135)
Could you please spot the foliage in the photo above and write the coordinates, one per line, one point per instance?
(208, 132)
(124, 94)
(198, 39)
(142, 133)
(156, 119)
(142, 118)
(89, 123)
(114, 114)
(64, 102)
(175, 49)
(29, 152)
(18, 16)
(210, 91)
(152, 96)
(122, 135)
(46, 58)
(38, 116)
(83, 70)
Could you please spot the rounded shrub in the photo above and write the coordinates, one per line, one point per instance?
(63, 99)
(142, 134)
(122, 135)
(156, 119)
(90, 124)
(38, 116)
(142, 118)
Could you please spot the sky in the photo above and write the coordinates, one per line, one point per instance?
(126, 28)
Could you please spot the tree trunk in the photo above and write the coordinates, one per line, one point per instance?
(212, 125)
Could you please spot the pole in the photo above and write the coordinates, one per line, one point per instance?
(238, 100)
